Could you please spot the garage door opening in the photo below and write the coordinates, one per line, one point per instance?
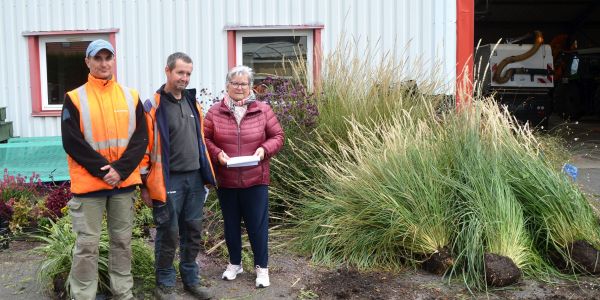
(560, 81)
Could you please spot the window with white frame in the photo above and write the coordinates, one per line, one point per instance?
(274, 52)
(57, 65)
(62, 66)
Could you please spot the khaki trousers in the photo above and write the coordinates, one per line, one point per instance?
(86, 215)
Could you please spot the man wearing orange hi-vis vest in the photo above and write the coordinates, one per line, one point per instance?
(104, 134)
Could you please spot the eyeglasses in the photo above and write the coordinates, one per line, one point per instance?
(239, 84)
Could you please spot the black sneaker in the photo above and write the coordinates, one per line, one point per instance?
(198, 291)
(164, 293)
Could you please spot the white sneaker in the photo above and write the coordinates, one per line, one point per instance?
(262, 277)
(232, 271)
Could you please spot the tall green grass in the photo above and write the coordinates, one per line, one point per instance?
(559, 212)
(391, 175)
(351, 88)
(490, 218)
(367, 210)
(369, 90)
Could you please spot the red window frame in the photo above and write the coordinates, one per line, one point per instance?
(34, 64)
(317, 49)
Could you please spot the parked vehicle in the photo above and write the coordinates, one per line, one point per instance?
(577, 93)
(520, 76)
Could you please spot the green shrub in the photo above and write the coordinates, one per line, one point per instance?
(58, 243)
(143, 220)
(27, 213)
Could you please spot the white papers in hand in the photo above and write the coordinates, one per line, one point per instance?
(242, 161)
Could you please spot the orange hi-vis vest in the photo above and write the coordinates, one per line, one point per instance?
(107, 120)
(153, 158)
(152, 164)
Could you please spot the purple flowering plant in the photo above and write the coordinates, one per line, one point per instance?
(295, 107)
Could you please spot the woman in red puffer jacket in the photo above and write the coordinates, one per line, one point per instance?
(236, 126)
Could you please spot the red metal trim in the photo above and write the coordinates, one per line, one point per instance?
(47, 113)
(34, 74)
(465, 36)
(317, 58)
(69, 32)
(275, 27)
(231, 47)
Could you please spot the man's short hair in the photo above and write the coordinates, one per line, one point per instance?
(172, 59)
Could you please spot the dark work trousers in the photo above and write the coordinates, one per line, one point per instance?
(179, 222)
(252, 205)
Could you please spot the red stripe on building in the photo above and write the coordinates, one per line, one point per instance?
(465, 36)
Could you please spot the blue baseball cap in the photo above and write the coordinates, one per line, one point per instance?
(97, 45)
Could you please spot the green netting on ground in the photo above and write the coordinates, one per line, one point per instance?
(44, 156)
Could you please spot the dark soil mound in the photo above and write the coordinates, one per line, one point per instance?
(439, 262)
(350, 284)
(585, 258)
(59, 286)
(500, 270)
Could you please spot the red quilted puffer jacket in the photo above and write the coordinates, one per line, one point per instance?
(259, 128)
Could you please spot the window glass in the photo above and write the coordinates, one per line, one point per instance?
(273, 55)
(65, 68)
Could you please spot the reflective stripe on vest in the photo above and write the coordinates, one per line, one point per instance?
(155, 155)
(87, 121)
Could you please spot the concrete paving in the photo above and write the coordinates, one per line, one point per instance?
(582, 139)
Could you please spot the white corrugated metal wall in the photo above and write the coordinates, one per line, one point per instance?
(149, 30)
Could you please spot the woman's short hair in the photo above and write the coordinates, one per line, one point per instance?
(240, 70)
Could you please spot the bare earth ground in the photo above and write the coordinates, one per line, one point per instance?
(294, 277)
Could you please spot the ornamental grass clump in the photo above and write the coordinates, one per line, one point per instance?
(351, 87)
(562, 220)
(492, 244)
(391, 177)
(380, 201)
(370, 90)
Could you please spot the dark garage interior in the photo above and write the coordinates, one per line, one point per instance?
(571, 35)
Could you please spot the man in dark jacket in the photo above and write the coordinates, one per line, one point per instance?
(175, 170)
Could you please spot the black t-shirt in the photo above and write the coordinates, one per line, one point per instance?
(183, 137)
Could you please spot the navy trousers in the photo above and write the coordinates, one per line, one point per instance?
(252, 205)
(179, 223)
